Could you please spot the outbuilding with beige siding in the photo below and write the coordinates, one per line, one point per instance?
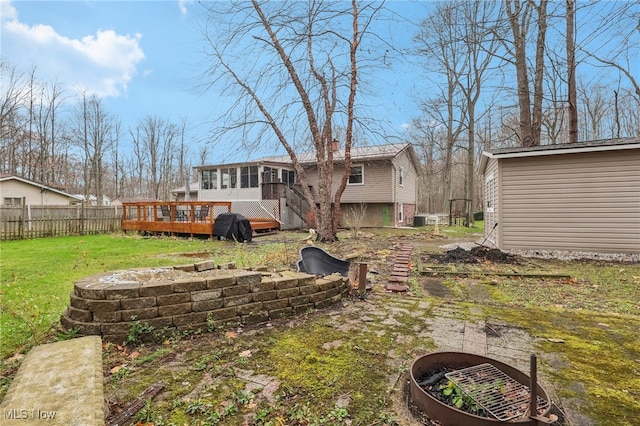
(581, 197)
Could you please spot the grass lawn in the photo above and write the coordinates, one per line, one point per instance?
(37, 276)
(335, 366)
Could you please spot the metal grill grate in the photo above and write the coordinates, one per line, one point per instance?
(502, 397)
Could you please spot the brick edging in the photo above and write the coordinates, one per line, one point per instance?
(203, 297)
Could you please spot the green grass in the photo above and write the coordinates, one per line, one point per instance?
(37, 276)
(461, 231)
(321, 358)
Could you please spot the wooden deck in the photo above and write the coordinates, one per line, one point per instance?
(182, 217)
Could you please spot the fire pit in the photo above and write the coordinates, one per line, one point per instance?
(496, 388)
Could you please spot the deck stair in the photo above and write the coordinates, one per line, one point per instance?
(296, 200)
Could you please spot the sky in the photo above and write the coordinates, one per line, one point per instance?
(143, 59)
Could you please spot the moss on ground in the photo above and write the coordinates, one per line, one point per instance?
(331, 368)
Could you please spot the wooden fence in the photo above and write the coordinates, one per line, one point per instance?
(30, 221)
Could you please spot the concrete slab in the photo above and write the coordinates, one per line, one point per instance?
(475, 339)
(58, 384)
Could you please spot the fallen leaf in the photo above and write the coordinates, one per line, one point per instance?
(134, 354)
(231, 335)
(251, 405)
(115, 369)
(552, 417)
(245, 354)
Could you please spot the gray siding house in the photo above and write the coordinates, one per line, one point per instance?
(382, 185)
(571, 197)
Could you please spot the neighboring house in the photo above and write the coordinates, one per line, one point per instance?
(119, 201)
(93, 200)
(570, 197)
(381, 187)
(14, 189)
(180, 194)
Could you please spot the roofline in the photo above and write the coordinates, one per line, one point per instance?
(43, 186)
(266, 160)
(540, 151)
(258, 162)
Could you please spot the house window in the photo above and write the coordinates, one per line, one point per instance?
(401, 177)
(249, 177)
(400, 212)
(12, 202)
(489, 192)
(229, 178)
(357, 175)
(288, 177)
(270, 175)
(210, 179)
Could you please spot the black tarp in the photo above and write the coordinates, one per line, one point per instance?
(232, 226)
(314, 260)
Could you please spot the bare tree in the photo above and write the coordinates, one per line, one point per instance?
(571, 69)
(308, 53)
(426, 139)
(14, 98)
(521, 14)
(154, 141)
(615, 43)
(479, 49)
(594, 108)
(440, 42)
(93, 134)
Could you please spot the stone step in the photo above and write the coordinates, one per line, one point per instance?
(58, 384)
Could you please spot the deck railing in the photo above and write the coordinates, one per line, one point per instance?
(183, 217)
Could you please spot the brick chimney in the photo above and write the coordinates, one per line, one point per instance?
(335, 145)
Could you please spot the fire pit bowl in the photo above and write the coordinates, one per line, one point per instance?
(448, 415)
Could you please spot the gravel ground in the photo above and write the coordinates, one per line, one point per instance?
(558, 254)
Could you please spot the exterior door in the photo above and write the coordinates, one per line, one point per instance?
(386, 215)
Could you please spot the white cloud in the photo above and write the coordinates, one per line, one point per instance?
(102, 64)
(182, 4)
(7, 11)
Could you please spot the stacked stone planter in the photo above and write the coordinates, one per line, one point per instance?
(192, 297)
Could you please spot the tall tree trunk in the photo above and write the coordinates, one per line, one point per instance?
(350, 117)
(514, 12)
(571, 69)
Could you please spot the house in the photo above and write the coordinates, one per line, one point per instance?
(93, 200)
(381, 190)
(180, 194)
(14, 189)
(572, 197)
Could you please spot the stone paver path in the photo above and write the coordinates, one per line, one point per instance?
(58, 384)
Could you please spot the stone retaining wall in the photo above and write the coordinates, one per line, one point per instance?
(192, 297)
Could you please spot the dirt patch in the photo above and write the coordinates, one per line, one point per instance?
(196, 255)
(436, 288)
(475, 255)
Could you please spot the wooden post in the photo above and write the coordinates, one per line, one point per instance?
(82, 218)
(23, 217)
(362, 279)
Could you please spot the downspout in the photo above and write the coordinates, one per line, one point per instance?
(394, 185)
